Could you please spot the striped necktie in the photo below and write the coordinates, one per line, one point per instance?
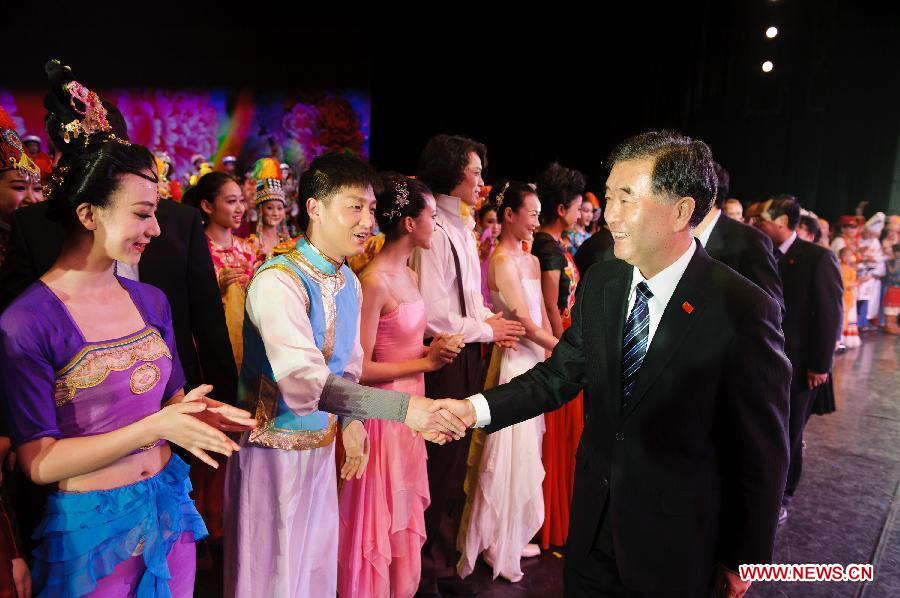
(637, 337)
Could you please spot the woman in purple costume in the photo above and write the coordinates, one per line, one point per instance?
(86, 360)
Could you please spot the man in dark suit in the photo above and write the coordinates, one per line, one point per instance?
(742, 248)
(813, 300)
(597, 248)
(177, 262)
(680, 469)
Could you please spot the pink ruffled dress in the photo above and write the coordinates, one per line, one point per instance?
(382, 515)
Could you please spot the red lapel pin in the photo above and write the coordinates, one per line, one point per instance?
(791, 261)
(687, 307)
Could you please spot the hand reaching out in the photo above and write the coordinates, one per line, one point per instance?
(436, 425)
(463, 409)
(219, 415)
(182, 423)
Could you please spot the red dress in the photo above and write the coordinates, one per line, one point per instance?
(563, 426)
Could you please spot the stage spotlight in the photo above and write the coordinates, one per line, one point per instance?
(767, 66)
(771, 32)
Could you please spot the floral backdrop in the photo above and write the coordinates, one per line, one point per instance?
(295, 127)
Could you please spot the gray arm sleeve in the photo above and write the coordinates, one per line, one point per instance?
(348, 399)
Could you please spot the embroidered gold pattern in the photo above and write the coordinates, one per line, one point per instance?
(143, 378)
(330, 284)
(266, 434)
(295, 440)
(93, 364)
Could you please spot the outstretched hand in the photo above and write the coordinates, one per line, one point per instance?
(219, 415)
(180, 422)
(435, 425)
(463, 409)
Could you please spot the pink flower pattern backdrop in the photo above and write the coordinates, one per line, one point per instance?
(296, 127)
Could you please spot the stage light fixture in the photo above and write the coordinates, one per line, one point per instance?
(767, 66)
(771, 32)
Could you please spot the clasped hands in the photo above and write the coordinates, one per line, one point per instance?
(440, 421)
(437, 421)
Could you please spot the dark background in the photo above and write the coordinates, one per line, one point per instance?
(557, 82)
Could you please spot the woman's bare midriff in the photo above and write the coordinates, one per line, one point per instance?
(125, 471)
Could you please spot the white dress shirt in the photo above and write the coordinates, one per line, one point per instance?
(662, 285)
(704, 236)
(437, 277)
(787, 243)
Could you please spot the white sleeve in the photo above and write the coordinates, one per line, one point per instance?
(482, 410)
(276, 306)
(436, 272)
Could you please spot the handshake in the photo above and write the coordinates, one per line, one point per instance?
(440, 421)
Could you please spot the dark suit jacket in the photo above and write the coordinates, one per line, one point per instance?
(747, 251)
(692, 471)
(813, 299)
(597, 248)
(177, 262)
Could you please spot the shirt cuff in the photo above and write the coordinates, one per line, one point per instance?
(487, 333)
(482, 410)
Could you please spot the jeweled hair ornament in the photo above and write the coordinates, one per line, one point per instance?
(91, 117)
(498, 201)
(400, 202)
(12, 151)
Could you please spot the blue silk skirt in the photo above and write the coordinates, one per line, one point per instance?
(85, 535)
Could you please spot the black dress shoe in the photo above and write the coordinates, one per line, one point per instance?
(454, 586)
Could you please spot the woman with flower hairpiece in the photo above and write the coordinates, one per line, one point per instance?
(86, 360)
(383, 513)
(505, 506)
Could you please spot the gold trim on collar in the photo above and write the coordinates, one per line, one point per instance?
(337, 265)
(330, 285)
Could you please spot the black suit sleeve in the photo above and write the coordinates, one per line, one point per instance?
(762, 269)
(825, 313)
(208, 319)
(548, 385)
(752, 433)
(17, 271)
